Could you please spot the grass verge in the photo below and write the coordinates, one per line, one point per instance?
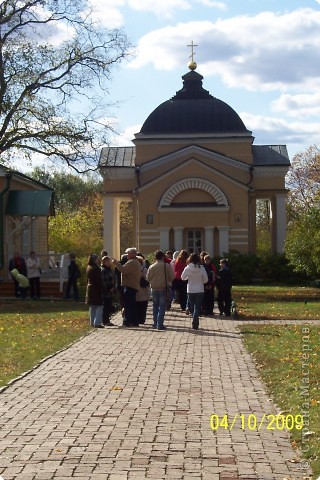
(277, 302)
(33, 330)
(287, 356)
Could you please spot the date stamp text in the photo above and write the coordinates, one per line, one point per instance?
(253, 422)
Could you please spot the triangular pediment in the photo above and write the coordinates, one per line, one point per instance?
(194, 151)
(201, 169)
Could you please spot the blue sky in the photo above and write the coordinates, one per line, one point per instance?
(261, 57)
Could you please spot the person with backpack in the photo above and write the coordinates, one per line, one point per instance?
(160, 276)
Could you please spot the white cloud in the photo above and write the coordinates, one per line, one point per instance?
(107, 122)
(166, 47)
(107, 12)
(267, 51)
(125, 138)
(55, 34)
(49, 32)
(21, 164)
(210, 3)
(303, 104)
(162, 8)
(272, 130)
(119, 138)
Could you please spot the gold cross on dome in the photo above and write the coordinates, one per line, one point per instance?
(192, 50)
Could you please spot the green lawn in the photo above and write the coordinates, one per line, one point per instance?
(277, 303)
(32, 330)
(288, 361)
(287, 356)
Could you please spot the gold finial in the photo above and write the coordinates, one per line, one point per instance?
(192, 65)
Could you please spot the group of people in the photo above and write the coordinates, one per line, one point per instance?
(25, 274)
(196, 277)
(189, 279)
(107, 279)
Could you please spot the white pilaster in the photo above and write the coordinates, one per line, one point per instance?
(223, 240)
(178, 238)
(164, 238)
(208, 240)
(111, 226)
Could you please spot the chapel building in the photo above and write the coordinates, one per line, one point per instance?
(194, 177)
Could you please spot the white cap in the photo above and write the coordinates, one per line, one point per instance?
(131, 250)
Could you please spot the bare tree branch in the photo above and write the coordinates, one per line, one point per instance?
(42, 75)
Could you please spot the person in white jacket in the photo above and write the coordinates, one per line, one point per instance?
(196, 275)
(33, 274)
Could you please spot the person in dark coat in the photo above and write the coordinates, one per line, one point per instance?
(224, 285)
(208, 297)
(108, 290)
(73, 275)
(94, 296)
(18, 263)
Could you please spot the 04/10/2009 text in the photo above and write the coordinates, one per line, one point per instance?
(252, 422)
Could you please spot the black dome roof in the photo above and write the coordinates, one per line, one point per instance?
(193, 110)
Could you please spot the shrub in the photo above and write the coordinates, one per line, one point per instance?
(269, 268)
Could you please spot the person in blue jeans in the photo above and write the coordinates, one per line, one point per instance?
(159, 308)
(160, 276)
(196, 275)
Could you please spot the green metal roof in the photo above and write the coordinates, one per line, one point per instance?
(33, 203)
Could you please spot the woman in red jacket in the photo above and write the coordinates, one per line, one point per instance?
(181, 285)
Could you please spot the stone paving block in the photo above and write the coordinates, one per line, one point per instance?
(227, 475)
(43, 476)
(115, 476)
